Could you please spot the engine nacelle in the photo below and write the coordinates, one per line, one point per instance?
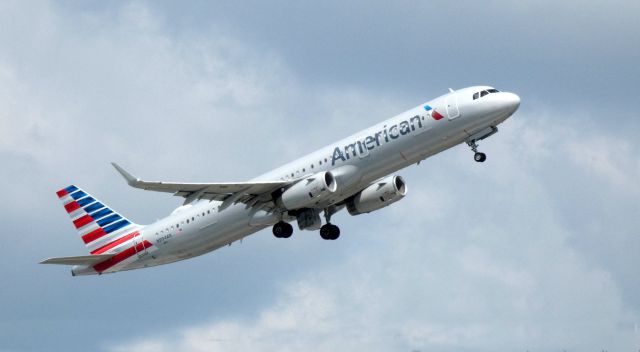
(308, 192)
(378, 195)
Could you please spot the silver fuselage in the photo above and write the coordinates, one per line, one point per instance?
(361, 158)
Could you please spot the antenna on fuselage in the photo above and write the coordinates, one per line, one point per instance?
(451, 90)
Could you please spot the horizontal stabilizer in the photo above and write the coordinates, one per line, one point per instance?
(79, 260)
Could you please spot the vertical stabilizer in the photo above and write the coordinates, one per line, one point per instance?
(100, 227)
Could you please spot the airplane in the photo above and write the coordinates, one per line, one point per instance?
(356, 173)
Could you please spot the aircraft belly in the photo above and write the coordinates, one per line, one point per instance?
(232, 224)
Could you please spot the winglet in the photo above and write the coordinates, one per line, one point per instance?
(131, 180)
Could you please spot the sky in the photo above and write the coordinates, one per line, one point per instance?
(533, 250)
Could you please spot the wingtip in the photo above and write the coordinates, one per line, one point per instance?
(127, 176)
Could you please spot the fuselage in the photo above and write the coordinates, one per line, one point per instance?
(357, 161)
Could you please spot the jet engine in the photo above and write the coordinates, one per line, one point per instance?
(308, 192)
(377, 195)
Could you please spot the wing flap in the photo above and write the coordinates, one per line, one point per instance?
(78, 260)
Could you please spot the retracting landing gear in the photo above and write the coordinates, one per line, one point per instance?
(478, 136)
(478, 156)
(282, 230)
(329, 231)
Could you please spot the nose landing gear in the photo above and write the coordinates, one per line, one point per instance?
(477, 156)
(473, 139)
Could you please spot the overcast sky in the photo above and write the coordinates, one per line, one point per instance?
(536, 249)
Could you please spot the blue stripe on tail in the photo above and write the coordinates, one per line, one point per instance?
(100, 213)
(84, 201)
(109, 219)
(78, 195)
(93, 207)
(117, 226)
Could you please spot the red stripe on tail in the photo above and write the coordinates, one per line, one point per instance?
(93, 235)
(82, 221)
(71, 207)
(100, 267)
(61, 193)
(119, 241)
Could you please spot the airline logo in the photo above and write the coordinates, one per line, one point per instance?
(375, 140)
(102, 229)
(434, 114)
(90, 217)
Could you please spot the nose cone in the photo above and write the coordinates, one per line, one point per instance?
(511, 102)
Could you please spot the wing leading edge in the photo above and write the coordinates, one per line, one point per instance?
(246, 192)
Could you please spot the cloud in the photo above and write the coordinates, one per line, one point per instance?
(534, 249)
(611, 159)
(502, 275)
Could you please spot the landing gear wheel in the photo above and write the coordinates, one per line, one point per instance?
(329, 232)
(282, 230)
(335, 232)
(479, 157)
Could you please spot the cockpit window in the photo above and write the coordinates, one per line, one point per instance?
(484, 92)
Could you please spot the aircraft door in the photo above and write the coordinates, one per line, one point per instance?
(451, 104)
(139, 246)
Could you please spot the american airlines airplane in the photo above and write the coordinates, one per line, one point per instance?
(355, 173)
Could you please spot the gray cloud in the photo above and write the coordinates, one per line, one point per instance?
(535, 249)
(475, 259)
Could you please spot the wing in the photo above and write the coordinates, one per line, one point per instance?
(79, 260)
(250, 193)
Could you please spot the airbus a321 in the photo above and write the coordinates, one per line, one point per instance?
(356, 173)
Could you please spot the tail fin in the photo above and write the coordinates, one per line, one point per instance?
(99, 226)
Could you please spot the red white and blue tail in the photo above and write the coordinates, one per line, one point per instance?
(100, 227)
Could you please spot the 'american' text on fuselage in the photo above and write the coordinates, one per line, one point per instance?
(368, 143)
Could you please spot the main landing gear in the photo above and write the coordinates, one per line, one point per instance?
(282, 230)
(478, 156)
(329, 231)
